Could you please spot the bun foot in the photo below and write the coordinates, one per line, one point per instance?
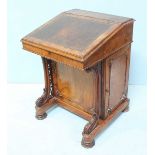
(87, 144)
(41, 117)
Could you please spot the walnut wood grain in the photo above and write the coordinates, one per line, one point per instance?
(86, 57)
(88, 139)
(81, 37)
(75, 86)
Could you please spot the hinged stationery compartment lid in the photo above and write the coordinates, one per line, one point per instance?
(80, 38)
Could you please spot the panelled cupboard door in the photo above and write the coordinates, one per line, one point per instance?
(116, 70)
(76, 87)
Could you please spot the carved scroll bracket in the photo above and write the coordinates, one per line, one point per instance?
(91, 125)
(43, 99)
(48, 92)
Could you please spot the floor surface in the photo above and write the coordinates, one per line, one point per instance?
(60, 132)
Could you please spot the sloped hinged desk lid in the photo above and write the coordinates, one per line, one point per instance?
(80, 38)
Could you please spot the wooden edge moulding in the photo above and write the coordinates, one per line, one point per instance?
(86, 57)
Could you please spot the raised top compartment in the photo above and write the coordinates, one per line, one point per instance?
(80, 38)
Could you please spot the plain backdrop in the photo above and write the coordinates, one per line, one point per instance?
(26, 15)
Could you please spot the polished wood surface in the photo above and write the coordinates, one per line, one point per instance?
(86, 58)
(116, 70)
(76, 86)
(70, 31)
(79, 35)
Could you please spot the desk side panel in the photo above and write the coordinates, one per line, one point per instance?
(77, 87)
(116, 72)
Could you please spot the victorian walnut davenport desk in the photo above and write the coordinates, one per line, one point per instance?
(86, 59)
